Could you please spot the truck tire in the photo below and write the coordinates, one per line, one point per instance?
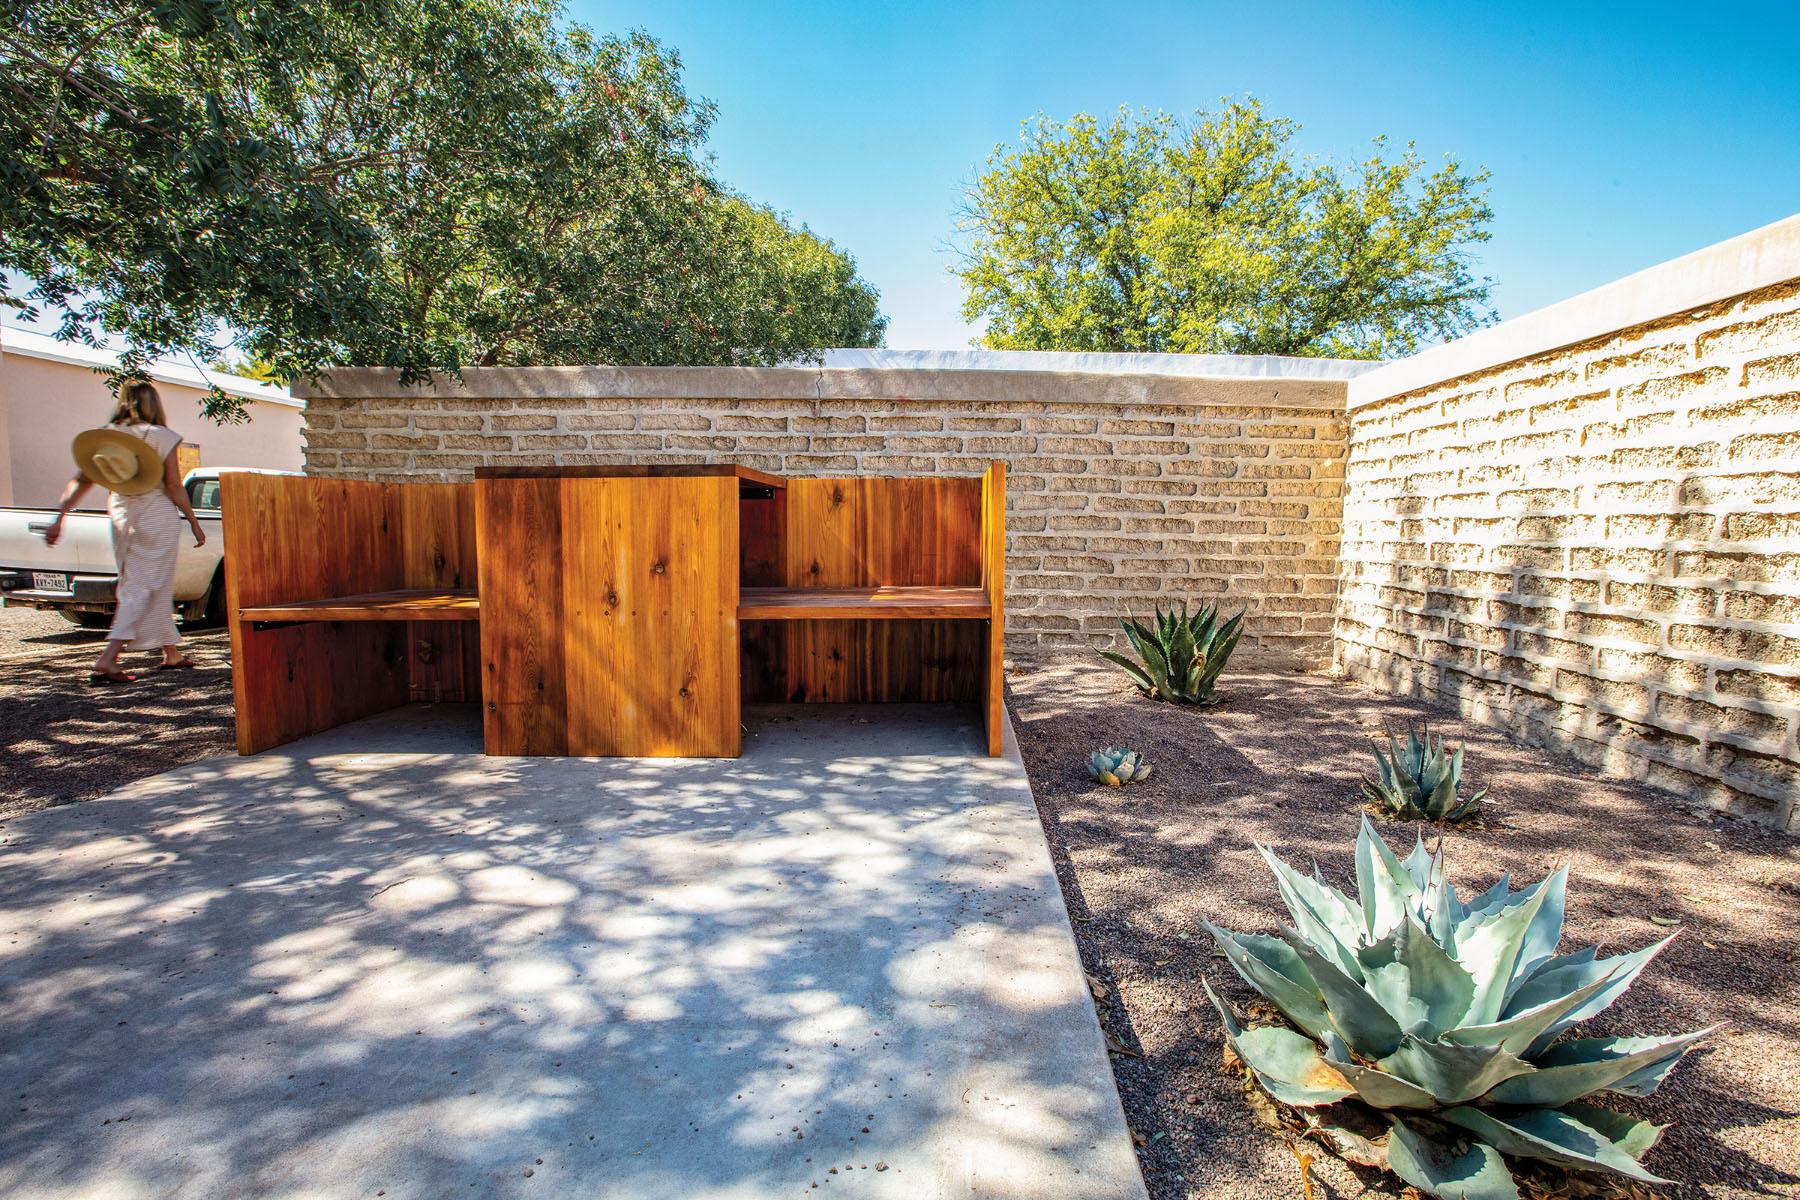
(215, 600)
(87, 620)
(210, 609)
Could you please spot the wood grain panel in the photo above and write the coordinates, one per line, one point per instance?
(438, 536)
(519, 560)
(881, 662)
(650, 593)
(884, 532)
(867, 533)
(439, 553)
(993, 579)
(291, 539)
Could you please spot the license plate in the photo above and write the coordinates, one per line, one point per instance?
(49, 581)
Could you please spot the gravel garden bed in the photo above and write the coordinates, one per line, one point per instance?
(1279, 763)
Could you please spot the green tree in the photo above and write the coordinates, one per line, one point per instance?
(419, 184)
(1212, 236)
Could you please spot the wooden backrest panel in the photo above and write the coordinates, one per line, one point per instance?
(909, 532)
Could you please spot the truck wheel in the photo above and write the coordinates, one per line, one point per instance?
(88, 620)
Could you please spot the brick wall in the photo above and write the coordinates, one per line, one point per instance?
(1597, 547)
(1123, 491)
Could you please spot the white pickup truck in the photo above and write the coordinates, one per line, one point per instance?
(77, 576)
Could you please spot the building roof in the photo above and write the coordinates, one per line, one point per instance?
(30, 343)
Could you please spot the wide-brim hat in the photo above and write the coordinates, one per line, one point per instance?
(117, 461)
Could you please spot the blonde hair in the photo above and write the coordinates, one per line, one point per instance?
(139, 405)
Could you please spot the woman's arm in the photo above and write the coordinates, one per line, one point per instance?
(177, 493)
(71, 496)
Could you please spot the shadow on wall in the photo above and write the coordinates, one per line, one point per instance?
(433, 974)
(1612, 635)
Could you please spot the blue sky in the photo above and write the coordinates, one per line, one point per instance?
(1619, 135)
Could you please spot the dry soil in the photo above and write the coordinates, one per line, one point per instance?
(1279, 763)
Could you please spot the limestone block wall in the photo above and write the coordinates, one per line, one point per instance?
(1597, 545)
(1124, 490)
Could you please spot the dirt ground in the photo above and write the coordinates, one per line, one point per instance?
(1279, 763)
(65, 740)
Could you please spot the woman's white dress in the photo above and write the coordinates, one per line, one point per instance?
(146, 529)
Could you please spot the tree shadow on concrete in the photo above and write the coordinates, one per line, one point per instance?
(370, 964)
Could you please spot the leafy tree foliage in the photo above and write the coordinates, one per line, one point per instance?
(419, 184)
(1150, 234)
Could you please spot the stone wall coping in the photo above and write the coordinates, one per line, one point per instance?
(1746, 263)
(1190, 366)
(953, 386)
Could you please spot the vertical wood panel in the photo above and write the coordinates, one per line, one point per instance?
(993, 578)
(650, 593)
(519, 562)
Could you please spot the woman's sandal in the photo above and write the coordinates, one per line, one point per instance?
(186, 664)
(98, 678)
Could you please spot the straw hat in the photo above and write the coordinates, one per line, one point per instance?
(117, 461)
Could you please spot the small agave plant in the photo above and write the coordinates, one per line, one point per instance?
(1181, 656)
(1419, 782)
(1439, 1019)
(1116, 766)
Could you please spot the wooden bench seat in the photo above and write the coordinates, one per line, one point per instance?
(406, 604)
(863, 604)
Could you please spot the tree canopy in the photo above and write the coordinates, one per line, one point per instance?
(1212, 236)
(419, 184)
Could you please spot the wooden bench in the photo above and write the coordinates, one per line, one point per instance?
(610, 610)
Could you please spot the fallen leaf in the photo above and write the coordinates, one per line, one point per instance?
(1664, 921)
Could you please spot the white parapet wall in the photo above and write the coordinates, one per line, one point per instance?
(1583, 525)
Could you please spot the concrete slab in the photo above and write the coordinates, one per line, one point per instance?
(377, 963)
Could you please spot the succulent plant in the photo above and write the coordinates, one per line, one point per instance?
(1116, 766)
(1419, 781)
(1439, 1020)
(1181, 656)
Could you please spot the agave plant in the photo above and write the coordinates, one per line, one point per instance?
(1419, 781)
(1440, 1019)
(1182, 656)
(1115, 766)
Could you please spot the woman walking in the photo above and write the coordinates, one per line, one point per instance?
(134, 459)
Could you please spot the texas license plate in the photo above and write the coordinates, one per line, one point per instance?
(49, 581)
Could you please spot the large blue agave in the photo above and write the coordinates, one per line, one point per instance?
(1444, 1016)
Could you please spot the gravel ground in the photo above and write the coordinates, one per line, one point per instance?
(1279, 763)
(66, 740)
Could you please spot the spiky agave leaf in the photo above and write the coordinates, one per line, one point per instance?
(1444, 1014)
(1419, 781)
(1115, 766)
(1180, 654)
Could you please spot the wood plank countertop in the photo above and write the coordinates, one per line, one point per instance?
(409, 604)
(863, 604)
